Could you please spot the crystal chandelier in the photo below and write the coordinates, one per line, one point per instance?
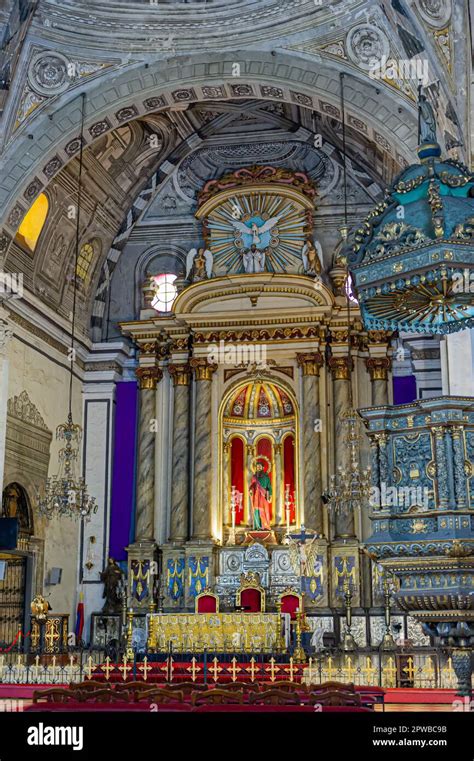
(66, 493)
(350, 487)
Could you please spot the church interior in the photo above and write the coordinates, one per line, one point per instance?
(237, 354)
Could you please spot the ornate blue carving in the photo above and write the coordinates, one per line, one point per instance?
(175, 578)
(313, 586)
(431, 551)
(409, 256)
(198, 574)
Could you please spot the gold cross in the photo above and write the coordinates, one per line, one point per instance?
(369, 669)
(252, 669)
(107, 668)
(330, 670)
(234, 671)
(448, 671)
(409, 670)
(50, 637)
(391, 671)
(124, 668)
(428, 669)
(145, 668)
(193, 668)
(90, 667)
(272, 669)
(215, 669)
(349, 668)
(291, 668)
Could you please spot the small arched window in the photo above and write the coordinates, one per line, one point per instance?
(33, 223)
(165, 292)
(84, 263)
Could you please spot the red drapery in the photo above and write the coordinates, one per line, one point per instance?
(289, 472)
(237, 474)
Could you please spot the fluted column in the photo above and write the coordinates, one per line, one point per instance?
(310, 364)
(144, 526)
(203, 447)
(179, 518)
(341, 367)
(378, 368)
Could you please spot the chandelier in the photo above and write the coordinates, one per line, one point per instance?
(66, 493)
(350, 486)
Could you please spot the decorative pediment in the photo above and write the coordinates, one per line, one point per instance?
(289, 296)
(22, 408)
(255, 555)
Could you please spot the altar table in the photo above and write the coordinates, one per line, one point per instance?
(224, 632)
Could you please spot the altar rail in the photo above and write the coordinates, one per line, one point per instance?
(426, 668)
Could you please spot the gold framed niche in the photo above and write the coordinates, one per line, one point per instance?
(276, 428)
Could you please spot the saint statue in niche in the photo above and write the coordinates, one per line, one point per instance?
(15, 505)
(261, 494)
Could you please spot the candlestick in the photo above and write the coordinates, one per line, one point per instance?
(234, 499)
(287, 507)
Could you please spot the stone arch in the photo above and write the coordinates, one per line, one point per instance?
(16, 503)
(161, 85)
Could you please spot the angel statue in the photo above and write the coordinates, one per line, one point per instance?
(200, 263)
(312, 255)
(254, 230)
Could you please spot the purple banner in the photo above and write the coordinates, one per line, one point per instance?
(404, 389)
(123, 475)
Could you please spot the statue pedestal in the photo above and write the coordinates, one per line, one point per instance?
(263, 537)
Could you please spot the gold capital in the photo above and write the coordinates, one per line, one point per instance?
(378, 368)
(203, 369)
(311, 362)
(149, 377)
(341, 367)
(181, 374)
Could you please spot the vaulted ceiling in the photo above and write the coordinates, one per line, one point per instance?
(165, 82)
